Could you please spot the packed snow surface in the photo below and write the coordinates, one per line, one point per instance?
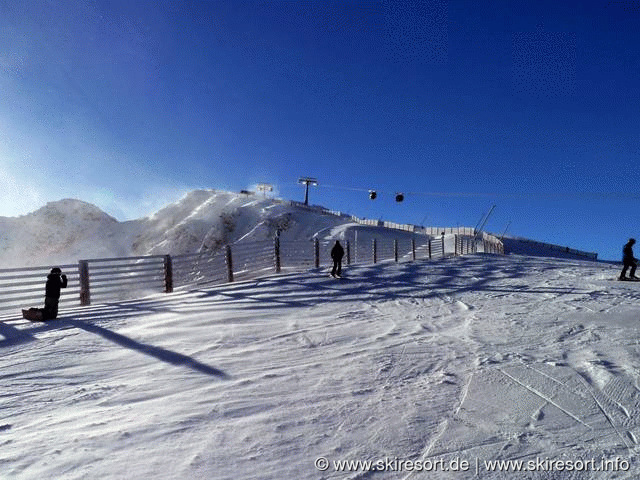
(471, 360)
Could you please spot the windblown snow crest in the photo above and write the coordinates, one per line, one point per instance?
(68, 230)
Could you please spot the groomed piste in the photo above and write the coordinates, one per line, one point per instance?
(475, 359)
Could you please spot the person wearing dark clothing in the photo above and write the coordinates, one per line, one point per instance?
(337, 252)
(628, 260)
(56, 280)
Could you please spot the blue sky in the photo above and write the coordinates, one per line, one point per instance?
(531, 106)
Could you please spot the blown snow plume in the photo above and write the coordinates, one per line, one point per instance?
(68, 230)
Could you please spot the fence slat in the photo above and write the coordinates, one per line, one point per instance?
(133, 267)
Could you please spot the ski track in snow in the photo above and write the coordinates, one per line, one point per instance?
(477, 357)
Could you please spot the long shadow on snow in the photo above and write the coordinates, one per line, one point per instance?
(159, 353)
(442, 277)
(125, 309)
(15, 336)
(445, 277)
(247, 292)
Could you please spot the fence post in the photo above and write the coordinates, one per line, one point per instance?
(355, 246)
(168, 274)
(413, 248)
(277, 253)
(443, 253)
(348, 252)
(375, 251)
(229, 262)
(316, 249)
(455, 247)
(429, 249)
(83, 271)
(395, 249)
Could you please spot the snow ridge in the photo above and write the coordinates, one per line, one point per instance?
(65, 231)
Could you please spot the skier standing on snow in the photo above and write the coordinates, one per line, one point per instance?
(628, 260)
(337, 252)
(55, 281)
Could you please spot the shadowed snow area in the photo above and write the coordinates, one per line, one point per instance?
(469, 359)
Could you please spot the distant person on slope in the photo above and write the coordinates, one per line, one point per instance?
(628, 260)
(337, 252)
(55, 281)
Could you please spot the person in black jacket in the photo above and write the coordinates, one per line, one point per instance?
(337, 252)
(628, 260)
(55, 281)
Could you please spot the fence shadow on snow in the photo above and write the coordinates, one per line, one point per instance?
(97, 281)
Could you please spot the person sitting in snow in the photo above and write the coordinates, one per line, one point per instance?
(628, 260)
(337, 252)
(55, 281)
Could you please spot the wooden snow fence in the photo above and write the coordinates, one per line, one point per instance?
(114, 279)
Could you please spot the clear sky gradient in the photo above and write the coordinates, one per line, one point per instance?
(460, 105)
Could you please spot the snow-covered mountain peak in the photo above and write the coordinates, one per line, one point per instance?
(69, 209)
(67, 230)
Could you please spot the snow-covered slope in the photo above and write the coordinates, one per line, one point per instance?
(60, 231)
(66, 231)
(69, 230)
(523, 246)
(452, 363)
